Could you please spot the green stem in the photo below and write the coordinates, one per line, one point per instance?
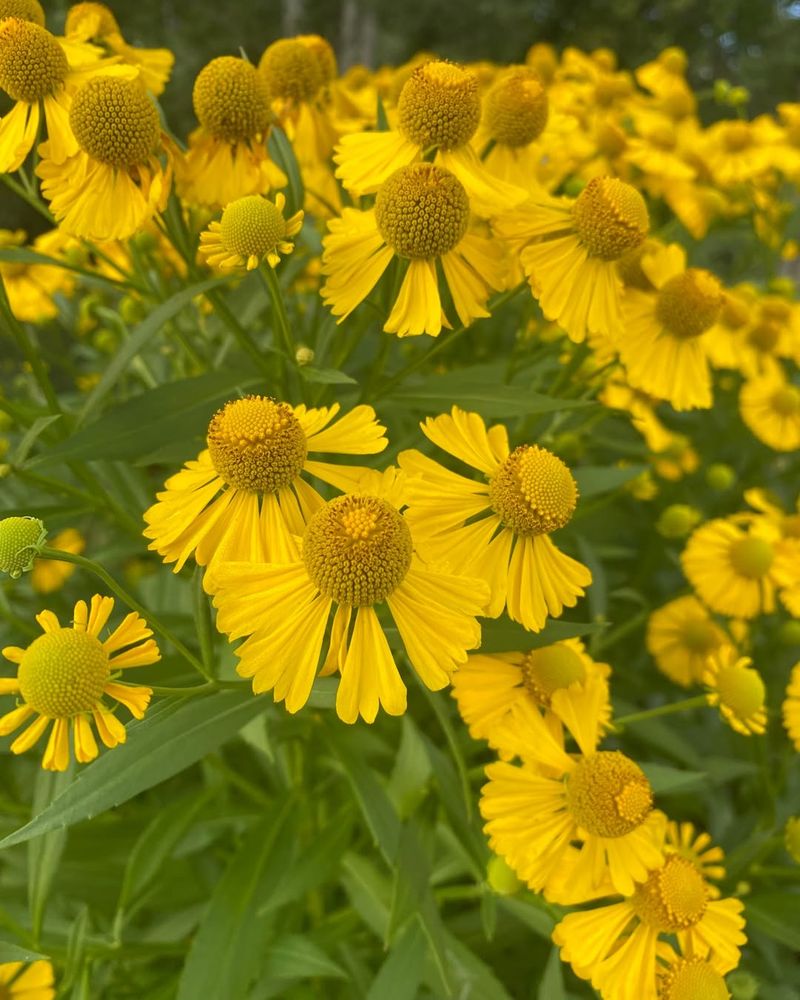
(21, 192)
(184, 692)
(32, 356)
(699, 701)
(269, 280)
(158, 627)
(203, 623)
(241, 335)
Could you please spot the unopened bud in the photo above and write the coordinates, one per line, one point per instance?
(677, 520)
(501, 877)
(21, 540)
(304, 355)
(720, 477)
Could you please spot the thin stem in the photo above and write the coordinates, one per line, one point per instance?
(699, 701)
(241, 335)
(32, 356)
(158, 627)
(22, 192)
(270, 282)
(203, 623)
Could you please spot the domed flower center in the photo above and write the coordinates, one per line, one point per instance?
(439, 105)
(699, 636)
(741, 689)
(25, 10)
(533, 492)
(689, 304)
(516, 108)
(357, 550)
(608, 795)
(32, 63)
(610, 217)
(737, 137)
(734, 313)
(20, 539)
(673, 898)
(764, 336)
(252, 227)
(550, 669)
(115, 121)
(692, 979)
(786, 401)
(230, 100)
(679, 103)
(422, 211)
(257, 444)
(324, 56)
(290, 70)
(63, 673)
(751, 557)
(79, 12)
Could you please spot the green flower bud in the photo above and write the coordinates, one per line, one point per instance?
(677, 520)
(720, 477)
(743, 985)
(501, 878)
(721, 90)
(573, 186)
(738, 97)
(21, 540)
(304, 355)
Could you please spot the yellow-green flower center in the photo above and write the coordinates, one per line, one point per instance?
(610, 218)
(252, 227)
(608, 795)
(106, 22)
(692, 979)
(20, 540)
(439, 105)
(764, 335)
(290, 70)
(230, 100)
(741, 689)
(752, 557)
(257, 444)
(533, 492)
(357, 550)
(689, 304)
(422, 211)
(32, 63)
(699, 636)
(786, 401)
(673, 898)
(25, 10)
(63, 673)
(550, 669)
(115, 121)
(516, 108)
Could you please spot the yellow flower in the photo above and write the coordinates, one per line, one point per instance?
(251, 229)
(31, 288)
(114, 184)
(770, 407)
(498, 529)
(25, 10)
(439, 109)
(737, 563)
(569, 251)
(357, 554)
(421, 214)
(600, 799)
(788, 526)
(706, 856)
(662, 348)
(616, 945)
(690, 979)
(489, 685)
(49, 575)
(738, 690)
(32, 982)
(736, 152)
(63, 676)
(680, 637)
(791, 707)
(240, 498)
(95, 22)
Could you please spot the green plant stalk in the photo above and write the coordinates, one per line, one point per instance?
(272, 286)
(698, 701)
(32, 356)
(203, 623)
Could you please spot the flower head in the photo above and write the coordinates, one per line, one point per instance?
(64, 675)
(251, 229)
(691, 979)
(770, 406)
(439, 106)
(516, 108)
(699, 849)
(32, 63)
(115, 122)
(230, 100)
(681, 636)
(290, 70)
(791, 707)
(21, 540)
(738, 690)
(25, 10)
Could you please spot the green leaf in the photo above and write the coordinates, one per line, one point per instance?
(280, 149)
(400, 976)
(28, 439)
(595, 479)
(226, 952)
(173, 735)
(139, 339)
(667, 780)
(44, 853)
(297, 957)
(21, 255)
(551, 986)
(539, 920)
(176, 412)
(776, 914)
(411, 877)
(503, 636)
(325, 376)
(412, 770)
(13, 953)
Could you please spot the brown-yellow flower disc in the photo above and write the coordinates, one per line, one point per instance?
(516, 108)
(115, 121)
(230, 100)
(610, 218)
(25, 10)
(63, 672)
(106, 22)
(692, 979)
(689, 304)
(257, 444)
(608, 794)
(324, 56)
(533, 491)
(357, 550)
(439, 105)
(422, 211)
(674, 897)
(290, 70)
(32, 63)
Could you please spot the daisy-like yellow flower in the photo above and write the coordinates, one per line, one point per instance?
(489, 685)
(515, 113)
(115, 183)
(615, 946)
(241, 495)
(738, 690)
(421, 215)
(600, 799)
(227, 156)
(737, 152)
(680, 637)
(31, 288)
(95, 22)
(39, 72)
(770, 407)
(788, 526)
(251, 229)
(439, 108)
(662, 347)
(790, 709)
(737, 563)
(49, 575)
(569, 249)
(31, 982)
(699, 848)
(25, 10)
(64, 675)
(689, 979)
(357, 554)
(498, 529)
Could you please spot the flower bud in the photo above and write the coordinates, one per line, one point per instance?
(677, 520)
(501, 878)
(720, 477)
(21, 540)
(304, 355)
